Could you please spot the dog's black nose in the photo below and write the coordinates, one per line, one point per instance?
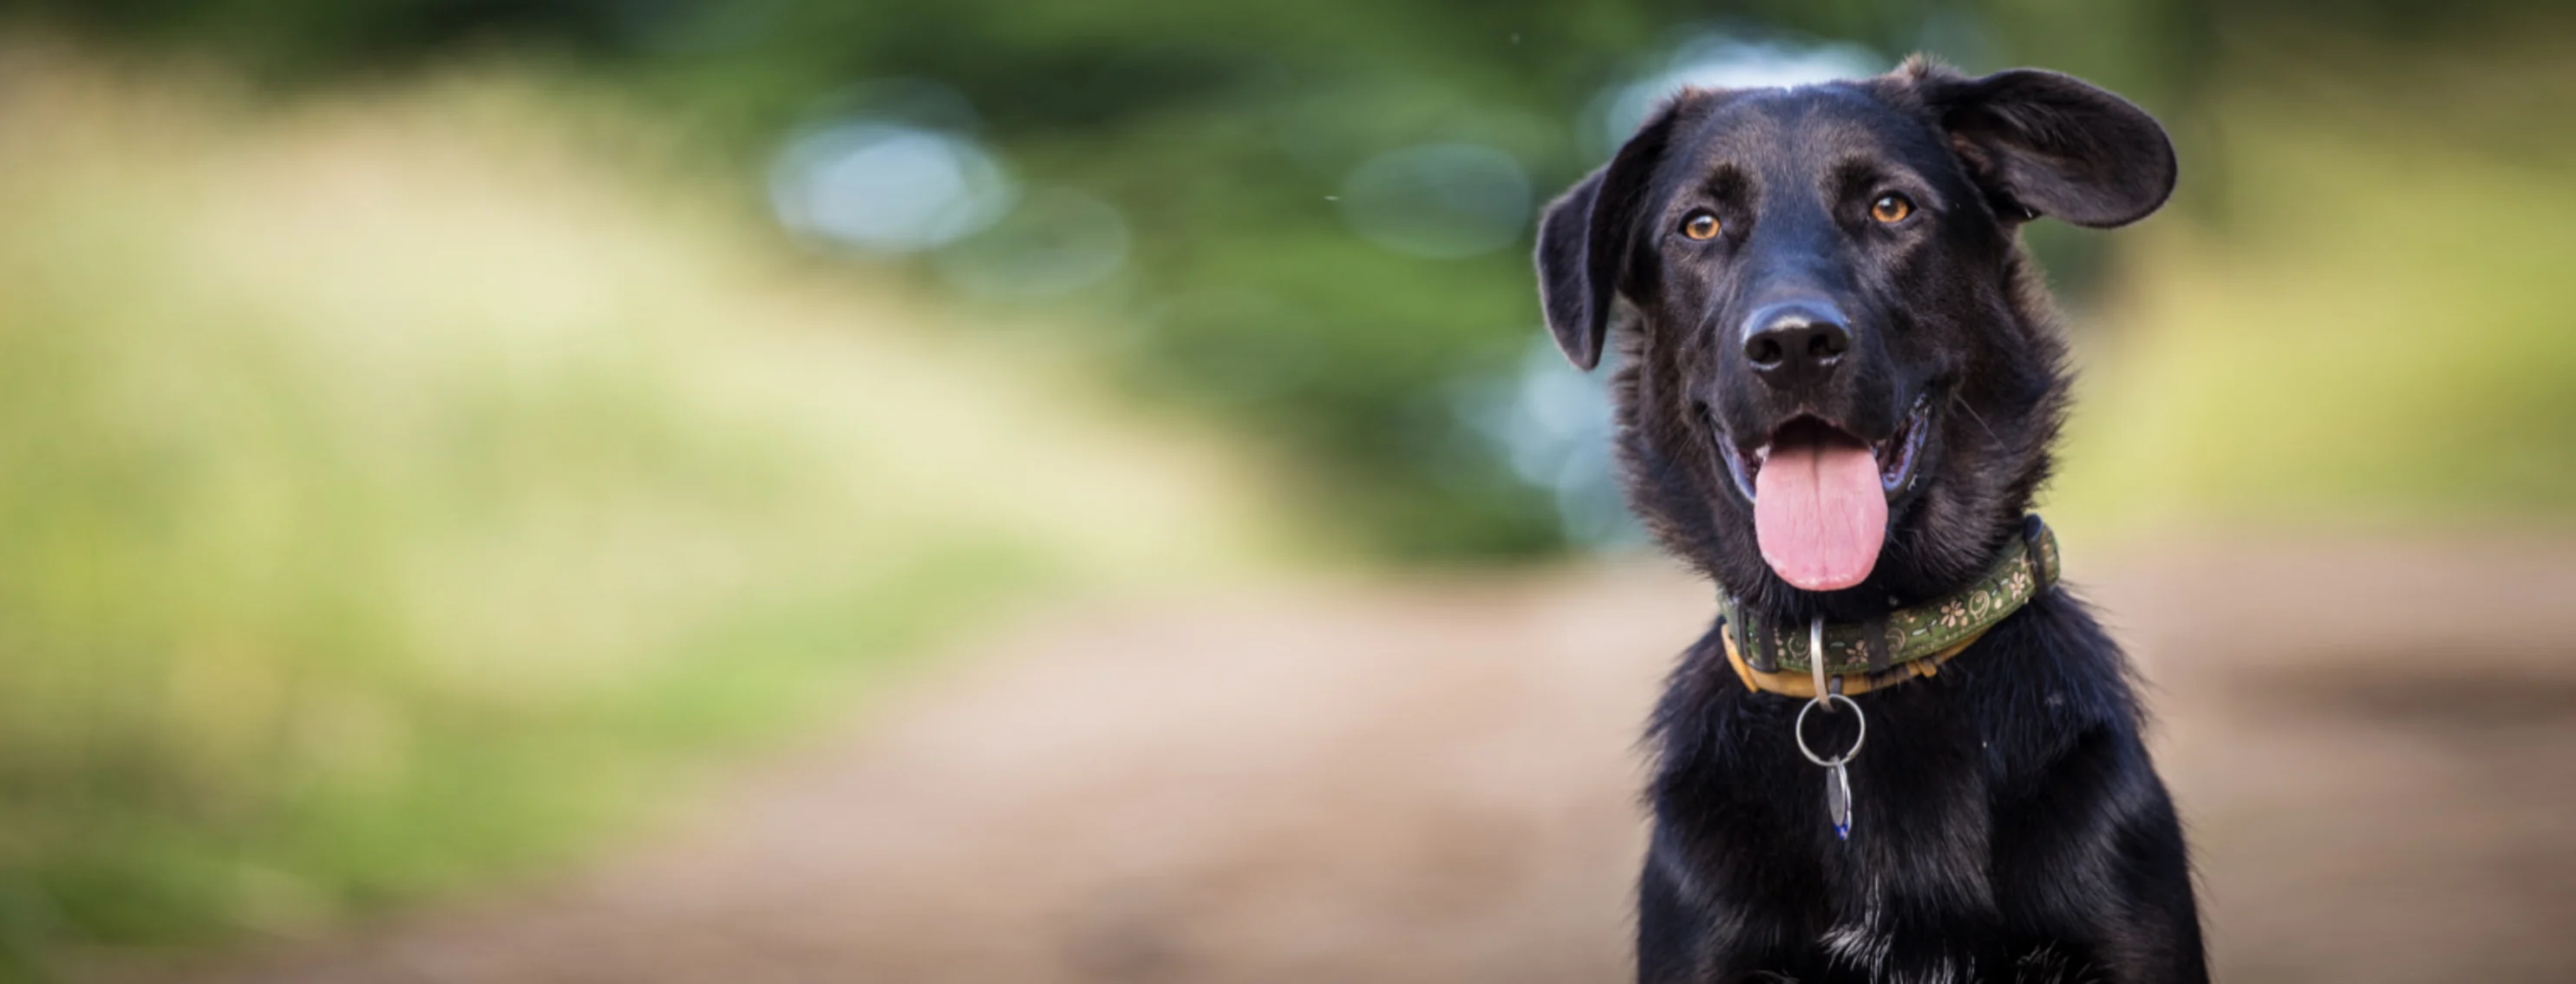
(1797, 344)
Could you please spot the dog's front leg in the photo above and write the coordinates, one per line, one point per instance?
(1684, 937)
(2098, 863)
(2153, 934)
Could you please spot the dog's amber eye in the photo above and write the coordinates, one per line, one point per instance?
(1700, 225)
(1891, 208)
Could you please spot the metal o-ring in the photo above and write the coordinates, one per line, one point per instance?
(1800, 730)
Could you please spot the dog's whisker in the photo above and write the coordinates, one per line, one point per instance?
(1962, 403)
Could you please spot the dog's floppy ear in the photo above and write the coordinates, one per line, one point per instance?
(2052, 144)
(1585, 238)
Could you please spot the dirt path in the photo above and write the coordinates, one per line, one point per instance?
(1436, 783)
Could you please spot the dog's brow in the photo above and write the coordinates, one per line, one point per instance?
(1861, 174)
(1725, 181)
(1855, 174)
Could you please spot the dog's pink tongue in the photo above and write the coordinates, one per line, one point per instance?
(1818, 510)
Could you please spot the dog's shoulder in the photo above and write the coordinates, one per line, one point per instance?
(2050, 685)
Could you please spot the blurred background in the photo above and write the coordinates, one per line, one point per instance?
(956, 490)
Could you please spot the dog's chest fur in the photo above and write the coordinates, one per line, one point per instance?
(1943, 877)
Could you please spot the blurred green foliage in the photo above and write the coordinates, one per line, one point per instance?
(1220, 131)
(2367, 331)
(394, 492)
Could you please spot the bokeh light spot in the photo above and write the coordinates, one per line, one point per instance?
(1438, 200)
(1720, 61)
(886, 187)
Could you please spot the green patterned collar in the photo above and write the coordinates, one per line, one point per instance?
(2026, 569)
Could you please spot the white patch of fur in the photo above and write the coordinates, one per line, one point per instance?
(1864, 944)
(1943, 972)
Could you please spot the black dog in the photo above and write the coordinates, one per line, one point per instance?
(1841, 382)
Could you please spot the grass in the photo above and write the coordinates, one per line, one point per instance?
(2358, 322)
(401, 490)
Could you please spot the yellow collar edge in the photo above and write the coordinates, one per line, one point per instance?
(1788, 684)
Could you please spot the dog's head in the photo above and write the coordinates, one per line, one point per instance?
(1841, 380)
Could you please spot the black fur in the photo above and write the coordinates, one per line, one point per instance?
(2009, 825)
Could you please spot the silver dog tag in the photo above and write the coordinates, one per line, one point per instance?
(1838, 801)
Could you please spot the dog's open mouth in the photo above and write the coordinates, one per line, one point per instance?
(1820, 496)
